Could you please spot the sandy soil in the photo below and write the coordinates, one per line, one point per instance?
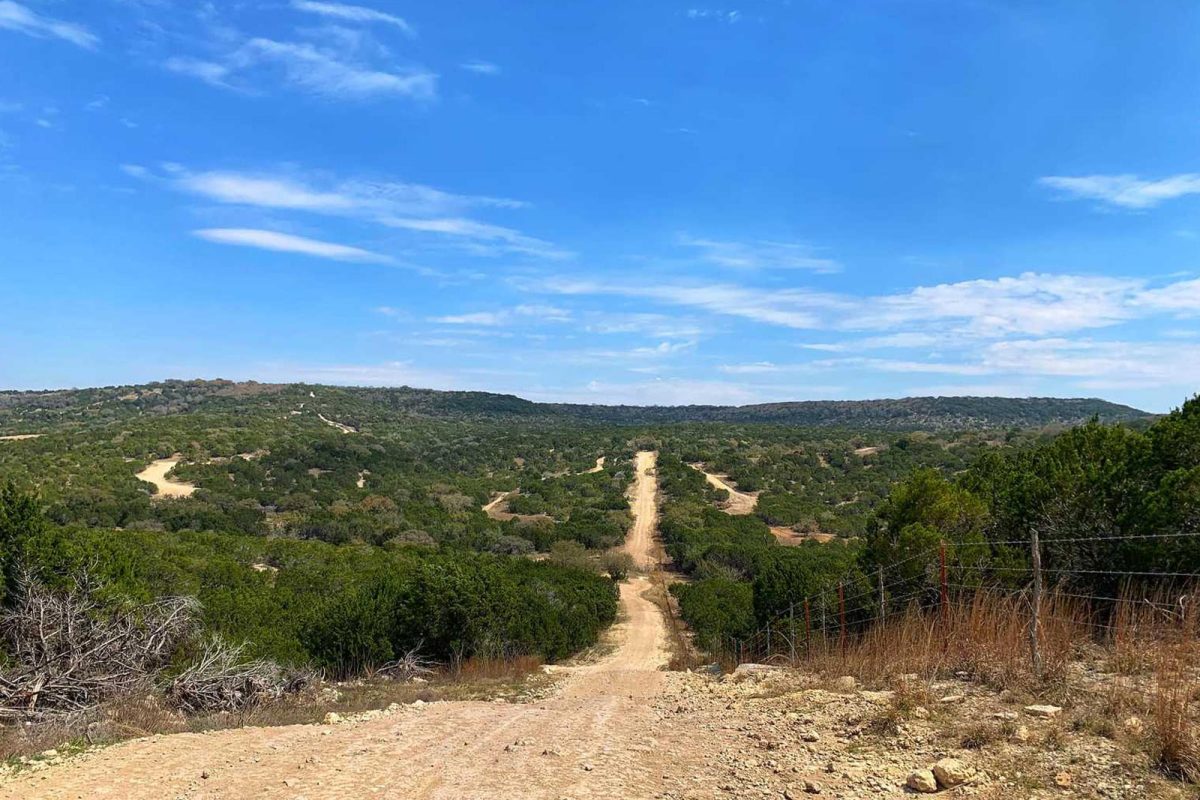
(787, 536)
(17, 437)
(338, 425)
(739, 502)
(595, 737)
(495, 508)
(156, 474)
(868, 451)
(599, 466)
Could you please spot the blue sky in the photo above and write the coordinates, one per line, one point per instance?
(619, 202)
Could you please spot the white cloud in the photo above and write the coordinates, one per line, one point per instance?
(351, 13)
(404, 206)
(500, 240)
(1125, 191)
(17, 17)
(1035, 304)
(1029, 303)
(1182, 297)
(309, 67)
(793, 308)
(543, 313)
(287, 243)
(715, 14)
(312, 193)
(207, 71)
(480, 67)
(266, 192)
(758, 368)
(760, 255)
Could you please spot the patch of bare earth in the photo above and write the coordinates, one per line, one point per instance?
(738, 502)
(19, 437)
(789, 536)
(157, 473)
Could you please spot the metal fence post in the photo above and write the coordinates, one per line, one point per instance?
(1035, 650)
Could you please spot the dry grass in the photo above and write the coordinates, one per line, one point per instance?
(1174, 739)
(1127, 671)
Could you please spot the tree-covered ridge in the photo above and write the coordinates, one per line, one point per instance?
(22, 412)
(1116, 509)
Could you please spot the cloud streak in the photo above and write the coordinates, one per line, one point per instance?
(1124, 191)
(17, 17)
(349, 13)
(287, 243)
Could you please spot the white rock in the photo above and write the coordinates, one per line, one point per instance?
(1047, 712)
(922, 780)
(951, 772)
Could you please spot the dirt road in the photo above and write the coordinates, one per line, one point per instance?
(595, 737)
(643, 502)
(156, 474)
(739, 502)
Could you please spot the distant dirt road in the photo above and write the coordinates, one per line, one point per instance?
(739, 502)
(643, 502)
(596, 737)
(156, 474)
(19, 437)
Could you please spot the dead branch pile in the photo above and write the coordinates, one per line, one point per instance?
(410, 665)
(221, 680)
(67, 654)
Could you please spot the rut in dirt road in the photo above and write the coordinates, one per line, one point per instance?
(594, 738)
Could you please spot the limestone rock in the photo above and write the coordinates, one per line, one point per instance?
(951, 772)
(922, 780)
(1046, 712)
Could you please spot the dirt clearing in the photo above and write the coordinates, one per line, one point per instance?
(156, 474)
(738, 502)
(19, 437)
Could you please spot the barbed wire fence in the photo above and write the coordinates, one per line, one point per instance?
(841, 616)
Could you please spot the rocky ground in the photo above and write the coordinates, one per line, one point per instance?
(787, 734)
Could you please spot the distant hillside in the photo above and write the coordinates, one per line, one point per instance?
(32, 411)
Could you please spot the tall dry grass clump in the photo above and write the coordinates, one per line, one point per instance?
(1174, 737)
(985, 634)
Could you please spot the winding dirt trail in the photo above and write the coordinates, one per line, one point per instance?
(597, 736)
(739, 502)
(156, 474)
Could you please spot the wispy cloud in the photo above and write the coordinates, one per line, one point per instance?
(524, 312)
(309, 67)
(393, 204)
(480, 67)
(1124, 191)
(792, 308)
(208, 71)
(486, 239)
(287, 243)
(17, 17)
(331, 61)
(714, 14)
(1031, 303)
(350, 13)
(760, 255)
